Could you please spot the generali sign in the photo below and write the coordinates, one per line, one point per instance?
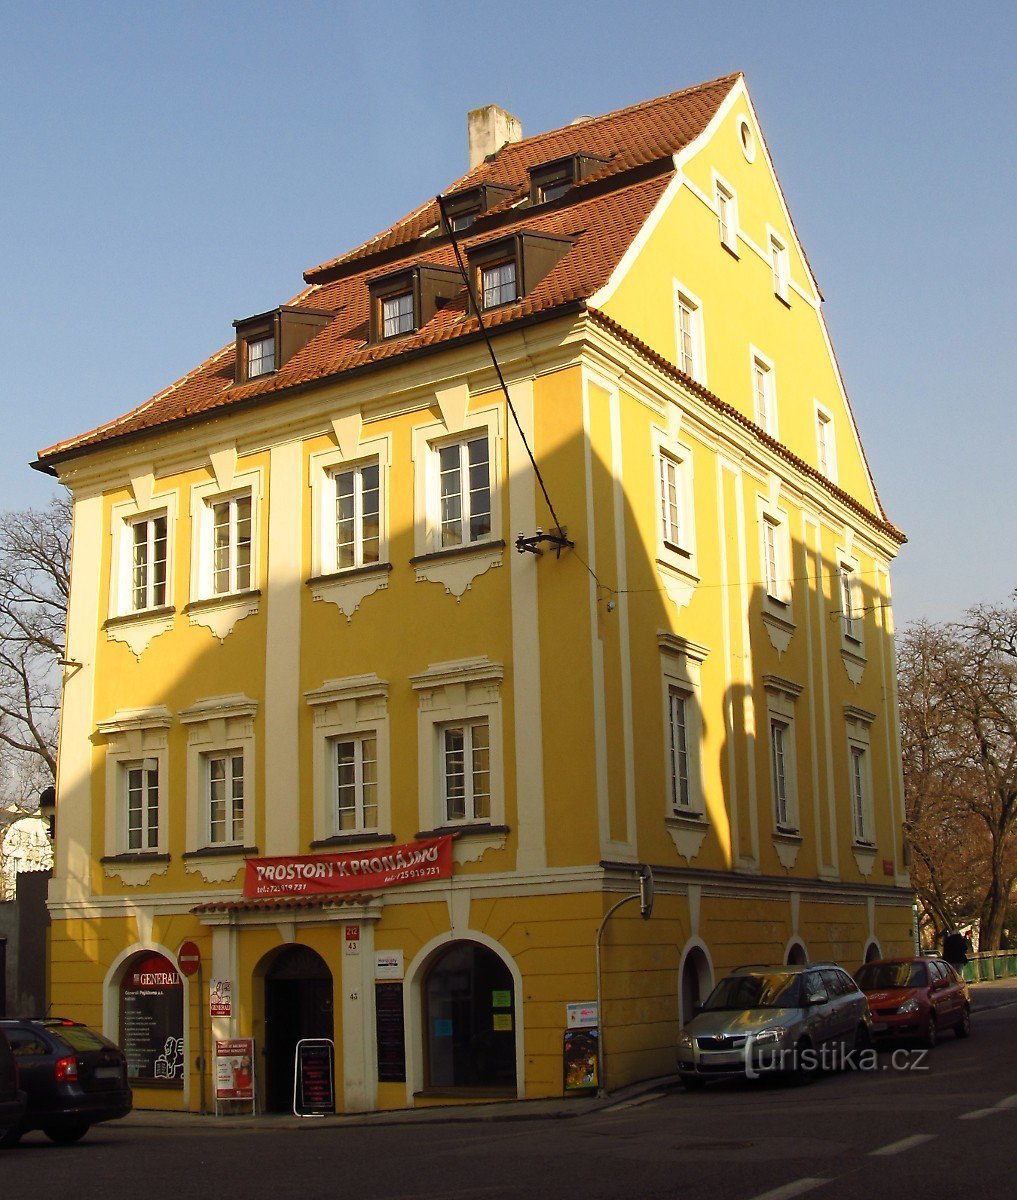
(317, 874)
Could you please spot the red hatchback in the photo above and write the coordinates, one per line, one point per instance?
(915, 998)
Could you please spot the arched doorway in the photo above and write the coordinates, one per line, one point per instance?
(298, 1004)
(796, 955)
(469, 1017)
(696, 982)
(872, 952)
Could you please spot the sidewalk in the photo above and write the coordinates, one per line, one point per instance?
(994, 993)
(503, 1110)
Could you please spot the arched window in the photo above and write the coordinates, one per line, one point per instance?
(796, 954)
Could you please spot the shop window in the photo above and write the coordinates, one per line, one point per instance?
(152, 1022)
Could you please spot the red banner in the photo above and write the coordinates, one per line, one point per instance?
(361, 870)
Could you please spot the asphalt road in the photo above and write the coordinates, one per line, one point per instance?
(943, 1126)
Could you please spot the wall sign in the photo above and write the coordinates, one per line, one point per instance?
(152, 1022)
(320, 874)
(582, 1015)
(220, 998)
(388, 964)
(388, 1011)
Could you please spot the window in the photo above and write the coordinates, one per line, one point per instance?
(776, 556)
(779, 266)
(553, 189)
(826, 445)
(859, 799)
(671, 500)
(498, 284)
(231, 544)
(466, 757)
(463, 221)
(762, 393)
(397, 314)
(770, 531)
(779, 765)
(849, 609)
(260, 357)
(681, 799)
(356, 783)
(225, 799)
(148, 562)
(727, 216)
(464, 491)
(141, 783)
(357, 516)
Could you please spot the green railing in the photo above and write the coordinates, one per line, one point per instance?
(992, 964)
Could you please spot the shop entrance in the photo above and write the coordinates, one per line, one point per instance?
(298, 1004)
(471, 1026)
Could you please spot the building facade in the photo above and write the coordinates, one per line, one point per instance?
(305, 644)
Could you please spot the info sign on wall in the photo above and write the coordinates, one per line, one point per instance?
(152, 1021)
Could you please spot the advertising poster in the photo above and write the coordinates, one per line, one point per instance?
(234, 1069)
(581, 1060)
(152, 1022)
(314, 1090)
(317, 874)
(220, 998)
(388, 1009)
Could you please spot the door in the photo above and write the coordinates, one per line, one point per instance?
(298, 1004)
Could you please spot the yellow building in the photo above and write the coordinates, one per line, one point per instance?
(301, 630)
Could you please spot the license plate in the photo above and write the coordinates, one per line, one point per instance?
(107, 1072)
(727, 1058)
(879, 1026)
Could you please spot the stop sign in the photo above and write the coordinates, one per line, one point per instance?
(188, 958)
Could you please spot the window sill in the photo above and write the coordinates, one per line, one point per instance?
(784, 833)
(783, 299)
(864, 846)
(466, 829)
(137, 629)
(142, 857)
(204, 603)
(731, 250)
(139, 616)
(353, 839)
(457, 552)
(679, 819)
(343, 573)
(236, 851)
(220, 614)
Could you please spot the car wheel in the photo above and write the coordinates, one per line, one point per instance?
(9, 1138)
(806, 1066)
(65, 1135)
(963, 1027)
(931, 1034)
(863, 1042)
(692, 1083)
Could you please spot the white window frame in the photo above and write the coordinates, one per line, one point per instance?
(323, 468)
(491, 269)
(360, 823)
(218, 726)
(848, 597)
(470, 793)
(679, 703)
(776, 573)
(680, 663)
(204, 497)
(356, 470)
(427, 439)
(725, 203)
(676, 548)
(351, 708)
(764, 404)
(231, 504)
(690, 358)
(781, 695)
(396, 318)
(459, 692)
(229, 757)
(826, 442)
(260, 340)
(858, 727)
(134, 738)
(125, 515)
(780, 266)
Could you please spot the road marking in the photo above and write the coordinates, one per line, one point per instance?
(907, 1143)
(1009, 1102)
(792, 1189)
(1000, 1106)
(636, 1102)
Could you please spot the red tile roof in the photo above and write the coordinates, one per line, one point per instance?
(283, 903)
(600, 216)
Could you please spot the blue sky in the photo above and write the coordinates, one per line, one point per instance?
(168, 169)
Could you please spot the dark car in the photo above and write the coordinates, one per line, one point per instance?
(917, 997)
(72, 1077)
(12, 1099)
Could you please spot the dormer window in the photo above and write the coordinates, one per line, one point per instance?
(406, 300)
(510, 267)
(553, 179)
(260, 357)
(498, 284)
(463, 208)
(397, 314)
(267, 342)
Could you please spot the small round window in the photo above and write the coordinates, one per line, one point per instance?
(747, 139)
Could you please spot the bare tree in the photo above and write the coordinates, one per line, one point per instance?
(958, 692)
(34, 586)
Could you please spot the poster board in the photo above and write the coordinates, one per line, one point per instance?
(314, 1078)
(234, 1071)
(580, 1061)
(388, 1010)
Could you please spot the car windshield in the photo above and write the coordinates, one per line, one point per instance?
(874, 976)
(779, 989)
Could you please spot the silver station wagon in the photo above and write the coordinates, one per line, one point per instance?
(795, 1020)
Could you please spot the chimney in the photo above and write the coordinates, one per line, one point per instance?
(488, 129)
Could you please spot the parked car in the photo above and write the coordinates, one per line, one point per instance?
(791, 1019)
(915, 998)
(12, 1099)
(72, 1076)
